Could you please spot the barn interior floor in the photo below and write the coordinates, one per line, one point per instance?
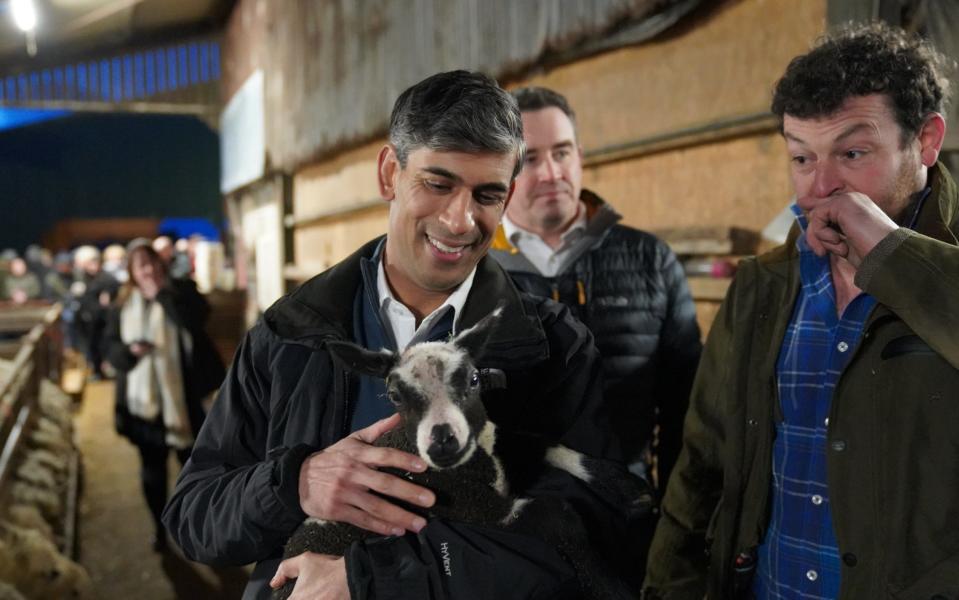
(115, 525)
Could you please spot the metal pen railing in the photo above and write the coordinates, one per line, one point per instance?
(37, 359)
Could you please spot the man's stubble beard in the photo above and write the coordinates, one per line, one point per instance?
(905, 190)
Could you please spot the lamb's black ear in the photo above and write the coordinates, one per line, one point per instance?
(474, 339)
(360, 360)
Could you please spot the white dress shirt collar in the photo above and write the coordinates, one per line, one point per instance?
(402, 322)
(546, 260)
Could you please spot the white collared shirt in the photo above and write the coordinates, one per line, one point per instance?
(546, 260)
(401, 320)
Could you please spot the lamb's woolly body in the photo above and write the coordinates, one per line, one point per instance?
(31, 563)
(48, 502)
(57, 463)
(472, 493)
(37, 475)
(29, 517)
(436, 387)
(8, 592)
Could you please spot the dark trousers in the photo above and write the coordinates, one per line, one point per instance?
(153, 477)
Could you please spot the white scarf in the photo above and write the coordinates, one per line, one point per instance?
(155, 384)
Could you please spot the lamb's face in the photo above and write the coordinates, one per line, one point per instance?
(436, 388)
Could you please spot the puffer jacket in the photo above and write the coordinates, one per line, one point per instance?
(236, 500)
(892, 450)
(628, 288)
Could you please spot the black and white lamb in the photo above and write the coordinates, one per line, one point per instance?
(437, 388)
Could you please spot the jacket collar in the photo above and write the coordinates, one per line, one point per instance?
(600, 217)
(939, 216)
(322, 308)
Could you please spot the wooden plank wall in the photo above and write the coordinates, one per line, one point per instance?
(67, 233)
(720, 65)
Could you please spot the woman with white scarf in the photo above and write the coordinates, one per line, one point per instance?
(166, 365)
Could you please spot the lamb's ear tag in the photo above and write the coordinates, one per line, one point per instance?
(492, 379)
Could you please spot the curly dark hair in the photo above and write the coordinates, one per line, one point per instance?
(859, 60)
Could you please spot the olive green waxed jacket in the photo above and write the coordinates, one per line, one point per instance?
(893, 431)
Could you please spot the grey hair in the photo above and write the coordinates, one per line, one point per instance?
(457, 111)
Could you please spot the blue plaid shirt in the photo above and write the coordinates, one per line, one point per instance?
(799, 557)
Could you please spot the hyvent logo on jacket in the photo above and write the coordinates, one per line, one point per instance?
(445, 550)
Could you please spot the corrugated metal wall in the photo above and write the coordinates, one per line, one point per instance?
(334, 67)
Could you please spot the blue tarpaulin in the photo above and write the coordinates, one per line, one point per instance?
(184, 227)
(18, 117)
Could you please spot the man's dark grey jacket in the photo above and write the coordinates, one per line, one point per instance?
(237, 502)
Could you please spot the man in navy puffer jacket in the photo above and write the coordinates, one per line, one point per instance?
(561, 241)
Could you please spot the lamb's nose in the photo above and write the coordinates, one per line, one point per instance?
(443, 441)
(442, 435)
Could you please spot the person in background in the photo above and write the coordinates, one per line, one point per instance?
(114, 262)
(6, 257)
(183, 255)
(164, 248)
(562, 241)
(56, 284)
(166, 366)
(20, 285)
(178, 264)
(820, 455)
(94, 290)
(56, 288)
(39, 262)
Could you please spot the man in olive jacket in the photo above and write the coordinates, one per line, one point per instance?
(820, 456)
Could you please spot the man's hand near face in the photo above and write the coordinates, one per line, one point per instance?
(848, 225)
(338, 483)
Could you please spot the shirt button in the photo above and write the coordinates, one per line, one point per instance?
(812, 575)
(842, 346)
(826, 422)
(816, 499)
(838, 445)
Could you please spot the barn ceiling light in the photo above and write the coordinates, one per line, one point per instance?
(24, 14)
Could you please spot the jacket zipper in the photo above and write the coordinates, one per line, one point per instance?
(347, 409)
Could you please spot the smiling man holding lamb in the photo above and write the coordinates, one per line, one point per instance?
(291, 433)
